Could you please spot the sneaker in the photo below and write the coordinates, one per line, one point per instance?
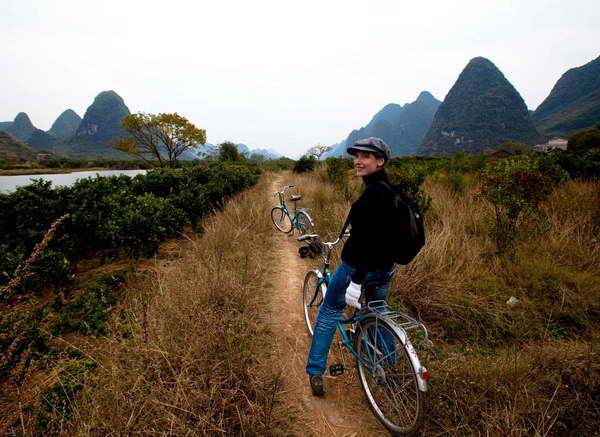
(316, 385)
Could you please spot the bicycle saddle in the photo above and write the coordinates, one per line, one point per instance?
(295, 197)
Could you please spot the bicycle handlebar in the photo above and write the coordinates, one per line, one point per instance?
(329, 245)
(283, 191)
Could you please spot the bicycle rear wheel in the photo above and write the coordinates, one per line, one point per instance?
(281, 220)
(388, 377)
(312, 298)
(304, 223)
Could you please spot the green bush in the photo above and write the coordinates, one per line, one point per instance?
(111, 215)
(337, 172)
(409, 175)
(305, 164)
(58, 400)
(141, 223)
(515, 187)
(582, 157)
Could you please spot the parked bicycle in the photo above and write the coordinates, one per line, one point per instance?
(389, 369)
(284, 221)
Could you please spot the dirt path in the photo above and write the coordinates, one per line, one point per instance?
(343, 411)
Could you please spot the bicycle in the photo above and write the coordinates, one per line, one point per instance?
(284, 221)
(390, 372)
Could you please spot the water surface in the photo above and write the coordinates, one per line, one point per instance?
(10, 183)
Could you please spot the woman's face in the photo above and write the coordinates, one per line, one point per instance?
(366, 163)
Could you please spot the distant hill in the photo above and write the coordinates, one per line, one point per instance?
(574, 102)
(41, 141)
(100, 127)
(65, 125)
(265, 153)
(11, 148)
(337, 149)
(21, 128)
(401, 127)
(481, 111)
(209, 150)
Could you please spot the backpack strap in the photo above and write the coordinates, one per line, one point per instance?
(346, 223)
(387, 186)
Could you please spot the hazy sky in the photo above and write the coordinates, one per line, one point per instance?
(277, 74)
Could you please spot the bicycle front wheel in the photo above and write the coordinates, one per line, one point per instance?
(304, 223)
(281, 220)
(388, 377)
(312, 298)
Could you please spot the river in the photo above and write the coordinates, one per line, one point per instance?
(10, 183)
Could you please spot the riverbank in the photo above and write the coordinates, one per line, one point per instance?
(36, 171)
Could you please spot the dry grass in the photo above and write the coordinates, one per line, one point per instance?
(189, 350)
(497, 370)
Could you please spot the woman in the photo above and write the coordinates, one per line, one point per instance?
(367, 255)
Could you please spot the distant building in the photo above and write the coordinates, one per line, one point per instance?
(556, 143)
(42, 156)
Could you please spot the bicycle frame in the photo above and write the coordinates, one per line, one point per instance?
(379, 310)
(294, 220)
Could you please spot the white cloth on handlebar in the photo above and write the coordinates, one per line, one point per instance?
(353, 295)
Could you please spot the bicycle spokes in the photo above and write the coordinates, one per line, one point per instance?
(388, 377)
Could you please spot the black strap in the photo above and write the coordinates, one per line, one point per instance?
(387, 186)
(346, 223)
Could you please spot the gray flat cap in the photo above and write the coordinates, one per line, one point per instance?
(371, 144)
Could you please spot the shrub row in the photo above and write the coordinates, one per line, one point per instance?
(114, 216)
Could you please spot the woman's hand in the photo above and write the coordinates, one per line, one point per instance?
(353, 295)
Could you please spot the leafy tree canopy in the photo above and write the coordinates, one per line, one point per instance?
(154, 136)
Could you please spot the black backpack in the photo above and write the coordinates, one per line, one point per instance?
(408, 240)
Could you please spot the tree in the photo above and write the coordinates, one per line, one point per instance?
(229, 152)
(317, 151)
(153, 136)
(305, 164)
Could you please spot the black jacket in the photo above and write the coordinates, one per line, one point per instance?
(369, 246)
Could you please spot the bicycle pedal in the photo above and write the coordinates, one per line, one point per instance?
(336, 369)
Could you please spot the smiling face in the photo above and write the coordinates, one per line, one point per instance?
(367, 163)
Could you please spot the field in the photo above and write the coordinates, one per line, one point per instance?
(206, 337)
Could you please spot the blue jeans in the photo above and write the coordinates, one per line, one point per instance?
(331, 310)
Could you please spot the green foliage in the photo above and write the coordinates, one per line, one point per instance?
(278, 164)
(229, 152)
(513, 148)
(154, 136)
(337, 172)
(582, 157)
(58, 400)
(409, 175)
(112, 215)
(21, 336)
(515, 187)
(573, 103)
(305, 164)
(26, 331)
(70, 163)
(142, 223)
(88, 312)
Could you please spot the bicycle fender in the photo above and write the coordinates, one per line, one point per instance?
(412, 353)
(304, 210)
